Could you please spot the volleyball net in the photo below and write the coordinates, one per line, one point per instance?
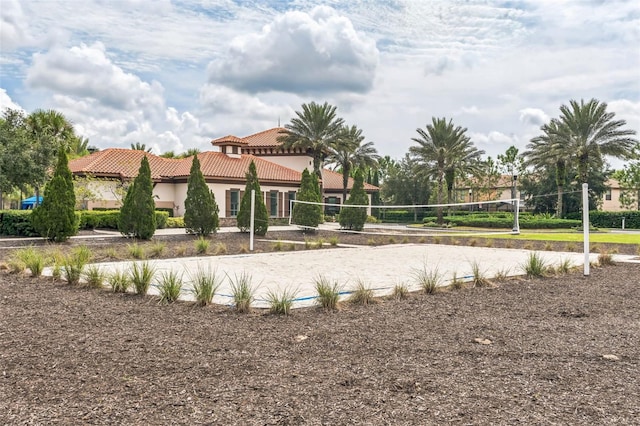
(486, 217)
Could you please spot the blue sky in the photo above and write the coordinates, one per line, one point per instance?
(176, 74)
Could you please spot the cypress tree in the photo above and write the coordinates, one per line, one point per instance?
(261, 221)
(201, 210)
(138, 212)
(55, 219)
(308, 215)
(355, 217)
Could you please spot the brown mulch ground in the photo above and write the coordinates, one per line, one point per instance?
(80, 356)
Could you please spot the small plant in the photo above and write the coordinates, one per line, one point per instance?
(570, 247)
(277, 246)
(119, 281)
(136, 251)
(638, 250)
(473, 242)
(605, 259)
(594, 248)
(392, 240)
(141, 275)
(94, 276)
(565, 266)
(479, 278)
(32, 259)
(56, 271)
(548, 246)
(170, 287)
(157, 248)
(244, 248)
(334, 241)
(362, 294)
(280, 303)
(535, 266)
(436, 240)
(307, 243)
(221, 248)
(180, 250)
(457, 283)
(508, 244)
(400, 292)
(528, 246)
(501, 275)
(371, 242)
(202, 245)
(292, 246)
(205, 285)
(405, 240)
(319, 243)
(489, 242)
(428, 279)
(328, 294)
(16, 265)
(73, 265)
(242, 292)
(111, 253)
(456, 242)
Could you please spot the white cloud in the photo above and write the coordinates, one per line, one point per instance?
(300, 52)
(626, 110)
(14, 30)
(533, 117)
(7, 102)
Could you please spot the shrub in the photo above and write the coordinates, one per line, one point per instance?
(175, 222)
(308, 215)
(280, 303)
(242, 292)
(333, 241)
(328, 294)
(205, 285)
(261, 221)
(170, 287)
(535, 266)
(355, 217)
(201, 210)
(605, 259)
(55, 218)
(137, 215)
(428, 279)
(17, 223)
(141, 275)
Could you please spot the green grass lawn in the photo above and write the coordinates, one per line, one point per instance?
(594, 237)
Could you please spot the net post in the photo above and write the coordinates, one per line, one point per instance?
(252, 221)
(516, 217)
(585, 226)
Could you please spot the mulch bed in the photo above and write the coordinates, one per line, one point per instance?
(526, 351)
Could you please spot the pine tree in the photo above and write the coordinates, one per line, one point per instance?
(138, 215)
(355, 217)
(201, 210)
(308, 215)
(261, 221)
(55, 219)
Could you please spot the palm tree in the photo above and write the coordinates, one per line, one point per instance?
(466, 161)
(442, 149)
(589, 132)
(348, 153)
(547, 150)
(315, 129)
(137, 146)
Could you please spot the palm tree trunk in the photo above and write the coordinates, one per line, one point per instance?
(345, 183)
(560, 206)
(440, 219)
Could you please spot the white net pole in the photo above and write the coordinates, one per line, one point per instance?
(585, 226)
(253, 218)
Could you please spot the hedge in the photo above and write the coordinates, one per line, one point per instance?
(17, 223)
(505, 220)
(611, 219)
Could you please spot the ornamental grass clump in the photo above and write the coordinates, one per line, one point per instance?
(170, 287)
(362, 294)
(281, 302)
(136, 251)
(157, 248)
(535, 266)
(333, 241)
(140, 276)
(119, 281)
(606, 259)
(400, 292)
(202, 245)
(479, 278)
(242, 292)
(565, 266)
(94, 276)
(328, 293)
(32, 259)
(206, 283)
(74, 264)
(221, 248)
(456, 283)
(428, 279)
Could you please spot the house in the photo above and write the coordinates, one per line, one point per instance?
(502, 189)
(279, 172)
(611, 198)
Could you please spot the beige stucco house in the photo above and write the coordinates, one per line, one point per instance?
(279, 171)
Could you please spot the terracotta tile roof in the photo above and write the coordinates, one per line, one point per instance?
(125, 163)
(265, 139)
(227, 139)
(332, 181)
(122, 163)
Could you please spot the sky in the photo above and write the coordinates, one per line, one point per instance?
(174, 75)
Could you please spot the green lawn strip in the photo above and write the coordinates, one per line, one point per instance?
(572, 237)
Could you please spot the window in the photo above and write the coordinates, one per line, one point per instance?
(332, 210)
(273, 203)
(291, 195)
(607, 195)
(234, 150)
(234, 202)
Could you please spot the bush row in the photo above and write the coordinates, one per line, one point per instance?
(611, 219)
(506, 221)
(18, 222)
